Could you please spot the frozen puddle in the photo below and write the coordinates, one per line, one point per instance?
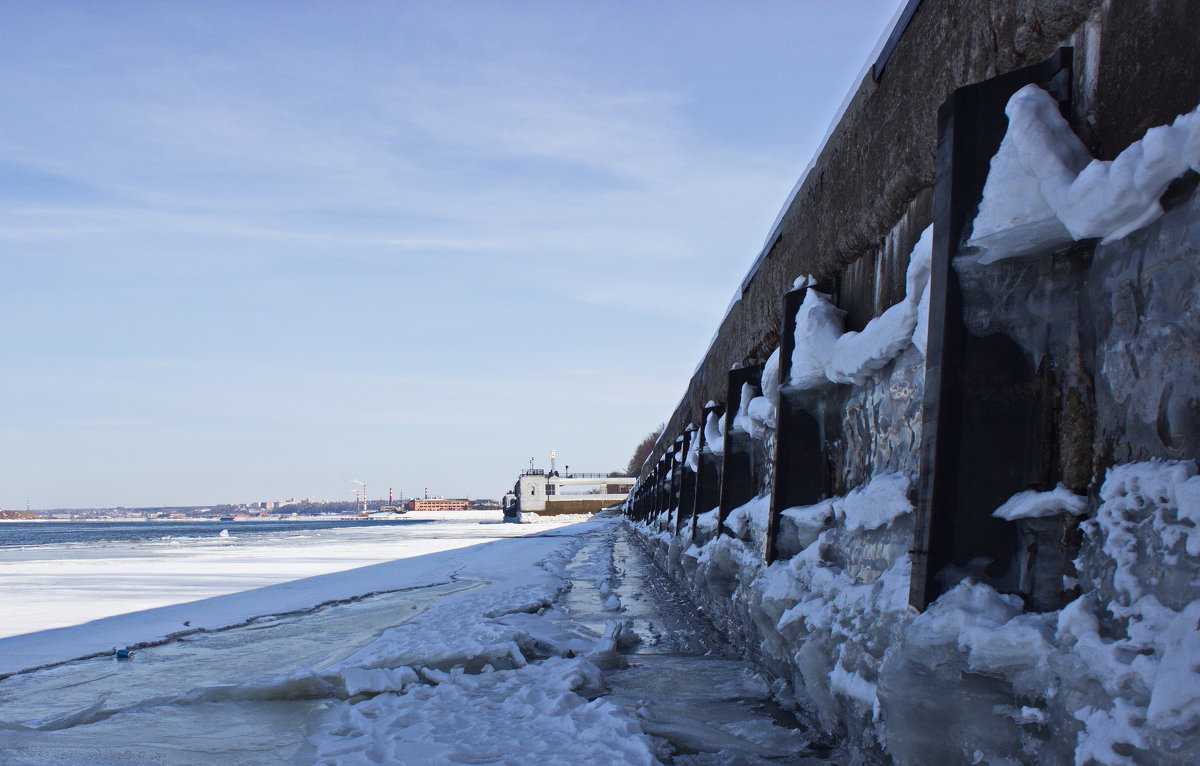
(528, 650)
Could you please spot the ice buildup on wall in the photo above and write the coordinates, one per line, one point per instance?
(741, 420)
(857, 356)
(714, 430)
(818, 327)
(1044, 189)
(1114, 674)
(1032, 504)
(770, 378)
(755, 415)
(692, 461)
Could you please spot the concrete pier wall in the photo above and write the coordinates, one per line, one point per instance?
(1135, 67)
(1022, 473)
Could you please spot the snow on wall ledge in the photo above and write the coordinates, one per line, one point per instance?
(823, 353)
(1044, 189)
(1111, 678)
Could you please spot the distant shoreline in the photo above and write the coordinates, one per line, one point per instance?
(143, 519)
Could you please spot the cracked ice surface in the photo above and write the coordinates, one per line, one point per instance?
(294, 683)
(181, 585)
(507, 658)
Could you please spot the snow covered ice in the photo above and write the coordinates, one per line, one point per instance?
(534, 649)
(200, 583)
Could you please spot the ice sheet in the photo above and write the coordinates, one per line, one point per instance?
(52, 597)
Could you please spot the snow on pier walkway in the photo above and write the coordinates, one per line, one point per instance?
(534, 649)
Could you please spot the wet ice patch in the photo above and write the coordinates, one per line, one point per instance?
(454, 655)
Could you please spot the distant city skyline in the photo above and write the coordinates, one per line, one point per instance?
(373, 503)
(264, 250)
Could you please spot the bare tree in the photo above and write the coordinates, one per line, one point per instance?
(643, 451)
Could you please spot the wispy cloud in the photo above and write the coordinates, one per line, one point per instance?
(308, 231)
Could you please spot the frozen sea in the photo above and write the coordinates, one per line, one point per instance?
(61, 574)
(452, 641)
(28, 534)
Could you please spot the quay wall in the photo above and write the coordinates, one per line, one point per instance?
(880, 156)
(972, 535)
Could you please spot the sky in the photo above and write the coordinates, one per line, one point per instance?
(260, 250)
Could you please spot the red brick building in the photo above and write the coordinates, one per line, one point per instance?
(436, 504)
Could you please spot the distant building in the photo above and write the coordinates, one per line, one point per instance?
(540, 492)
(436, 504)
(18, 515)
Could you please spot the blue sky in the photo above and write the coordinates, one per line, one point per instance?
(257, 250)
